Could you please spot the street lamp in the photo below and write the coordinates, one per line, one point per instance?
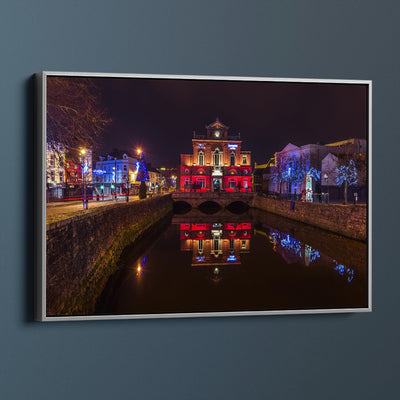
(326, 184)
(115, 178)
(83, 168)
(127, 186)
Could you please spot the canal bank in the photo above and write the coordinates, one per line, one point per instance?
(346, 220)
(82, 252)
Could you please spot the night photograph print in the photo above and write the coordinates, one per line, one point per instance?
(177, 196)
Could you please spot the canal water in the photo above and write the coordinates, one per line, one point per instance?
(226, 262)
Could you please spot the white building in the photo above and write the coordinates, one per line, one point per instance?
(55, 161)
(309, 167)
(155, 179)
(112, 172)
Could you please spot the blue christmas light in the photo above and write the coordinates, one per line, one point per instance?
(344, 271)
(347, 173)
(143, 173)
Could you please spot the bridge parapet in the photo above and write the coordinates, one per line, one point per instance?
(222, 198)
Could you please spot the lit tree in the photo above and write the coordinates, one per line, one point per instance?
(308, 163)
(142, 176)
(287, 170)
(346, 174)
(314, 173)
(292, 172)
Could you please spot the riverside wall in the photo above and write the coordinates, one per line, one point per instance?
(346, 220)
(83, 251)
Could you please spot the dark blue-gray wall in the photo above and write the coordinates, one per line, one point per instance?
(352, 356)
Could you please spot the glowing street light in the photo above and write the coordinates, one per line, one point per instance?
(84, 170)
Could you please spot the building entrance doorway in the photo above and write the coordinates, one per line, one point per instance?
(216, 185)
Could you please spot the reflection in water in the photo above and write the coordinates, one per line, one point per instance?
(294, 251)
(141, 265)
(226, 262)
(215, 243)
(344, 271)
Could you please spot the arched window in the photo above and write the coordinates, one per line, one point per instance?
(233, 158)
(201, 157)
(217, 157)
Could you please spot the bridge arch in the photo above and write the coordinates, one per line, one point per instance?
(209, 207)
(237, 207)
(181, 207)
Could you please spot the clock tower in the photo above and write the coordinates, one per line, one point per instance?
(217, 130)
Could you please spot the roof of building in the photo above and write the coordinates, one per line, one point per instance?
(217, 124)
(289, 147)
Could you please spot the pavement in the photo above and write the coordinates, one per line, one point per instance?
(62, 210)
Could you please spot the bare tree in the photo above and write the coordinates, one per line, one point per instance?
(75, 116)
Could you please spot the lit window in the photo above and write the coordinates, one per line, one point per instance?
(200, 246)
(244, 159)
(201, 157)
(233, 158)
(201, 182)
(217, 157)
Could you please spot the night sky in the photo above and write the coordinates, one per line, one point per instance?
(160, 115)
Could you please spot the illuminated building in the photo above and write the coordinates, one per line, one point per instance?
(155, 180)
(295, 169)
(63, 176)
(215, 244)
(114, 173)
(74, 170)
(168, 178)
(55, 160)
(262, 176)
(217, 163)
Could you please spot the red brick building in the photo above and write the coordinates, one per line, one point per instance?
(217, 163)
(73, 173)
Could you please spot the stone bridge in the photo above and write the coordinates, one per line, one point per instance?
(222, 198)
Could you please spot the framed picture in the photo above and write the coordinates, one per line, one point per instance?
(189, 196)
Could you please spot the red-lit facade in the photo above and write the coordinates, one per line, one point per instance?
(73, 173)
(217, 163)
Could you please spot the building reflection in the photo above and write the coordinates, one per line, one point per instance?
(215, 244)
(294, 251)
(291, 249)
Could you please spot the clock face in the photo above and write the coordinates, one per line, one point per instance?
(216, 133)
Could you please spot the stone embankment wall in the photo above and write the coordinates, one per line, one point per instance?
(82, 252)
(346, 220)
